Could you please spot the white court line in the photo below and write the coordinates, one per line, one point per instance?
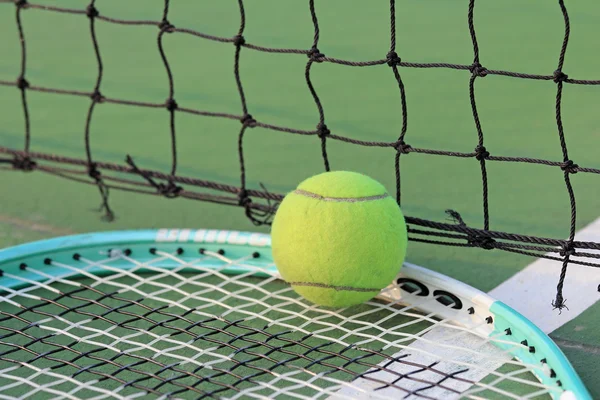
(531, 290)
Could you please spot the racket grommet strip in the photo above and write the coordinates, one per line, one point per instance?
(448, 299)
(413, 287)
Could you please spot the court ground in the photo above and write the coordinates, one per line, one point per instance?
(517, 117)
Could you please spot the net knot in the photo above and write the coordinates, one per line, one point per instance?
(258, 214)
(456, 217)
(170, 190)
(569, 167)
(393, 59)
(567, 249)
(24, 163)
(482, 241)
(559, 76)
(248, 120)
(322, 130)
(97, 97)
(315, 55)
(93, 171)
(478, 70)
(402, 147)
(481, 153)
(165, 26)
(239, 40)
(243, 199)
(95, 174)
(21, 3)
(22, 83)
(171, 104)
(91, 11)
(559, 303)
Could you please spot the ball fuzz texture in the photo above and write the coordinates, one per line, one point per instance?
(339, 238)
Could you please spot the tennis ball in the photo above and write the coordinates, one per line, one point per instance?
(339, 238)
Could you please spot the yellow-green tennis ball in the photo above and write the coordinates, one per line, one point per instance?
(339, 238)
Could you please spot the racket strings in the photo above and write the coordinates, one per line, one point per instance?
(197, 332)
(246, 337)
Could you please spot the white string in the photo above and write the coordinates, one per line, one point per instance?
(333, 327)
(59, 379)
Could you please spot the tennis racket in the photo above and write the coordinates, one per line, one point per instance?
(196, 314)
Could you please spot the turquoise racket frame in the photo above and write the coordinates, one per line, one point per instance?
(538, 348)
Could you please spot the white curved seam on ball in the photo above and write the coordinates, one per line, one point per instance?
(340, 199)
(326, 286)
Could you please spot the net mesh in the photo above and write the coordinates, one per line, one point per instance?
(179, 325)
(260, 205)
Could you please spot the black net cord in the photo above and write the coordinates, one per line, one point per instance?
(24, 162)
(169, 189)
(171, 104)
(256, 216)
(261, 204)
(393, 60)
(246, 119)
(238, 42)
(96, 98)
(315, 56)
(559, 301)
(478, 70)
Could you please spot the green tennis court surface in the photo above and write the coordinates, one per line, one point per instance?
(517, 116)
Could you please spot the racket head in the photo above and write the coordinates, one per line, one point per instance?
(406, 342)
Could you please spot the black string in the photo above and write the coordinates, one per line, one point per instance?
(170, 190)
(393, 60)
(569, 167)
(238, 42)
(477, 70)
(260, 205)
(256, 216)
(170, 104)
(23, 162)
(315, 56)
